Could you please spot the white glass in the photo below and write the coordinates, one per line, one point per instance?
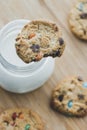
(15, 75)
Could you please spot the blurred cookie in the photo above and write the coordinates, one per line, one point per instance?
(70, 97)
(78, 19)
(20, 119)
(39, 39)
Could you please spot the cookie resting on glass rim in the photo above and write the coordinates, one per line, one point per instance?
(39, 39)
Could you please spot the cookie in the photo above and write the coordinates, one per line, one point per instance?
(78, 20)
(70, 97)
(20, 119)
(39, 39)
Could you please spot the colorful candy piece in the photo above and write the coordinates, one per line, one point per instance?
(80, 6)
(14, 116)
(35, 48)
(39, 56)
(21, 116)
(85, 84)
(27, 127)
(70, 104)
(13, 124)
(31, 35)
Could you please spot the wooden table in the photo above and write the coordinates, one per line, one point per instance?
(73, 62)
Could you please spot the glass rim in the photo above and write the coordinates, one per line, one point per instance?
(30, 68)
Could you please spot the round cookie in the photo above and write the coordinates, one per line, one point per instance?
(39, 39)
(70, 97)
(20, 119)
(78, 19)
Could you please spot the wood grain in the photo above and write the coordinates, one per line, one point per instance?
(73, 62)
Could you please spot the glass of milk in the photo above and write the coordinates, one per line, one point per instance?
(15, 75)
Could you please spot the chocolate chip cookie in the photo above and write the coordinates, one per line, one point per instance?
(39, 39)
(78, 19)
(70, 97)
(20, 119)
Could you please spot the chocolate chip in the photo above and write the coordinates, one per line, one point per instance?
(35, 48)
(25, 26)
(56, 53)
(5, 121)
(81, 96)
(34, 59)
(17, 39)
(83, 16)
(53, 54)
(70, 89)
(72, 81)
(56, 28)
(60, 97)
(86, 103)
(14, 116)
(79, 78)
(84, 32)
(61, 41)
(45, 55)
(80, 109)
